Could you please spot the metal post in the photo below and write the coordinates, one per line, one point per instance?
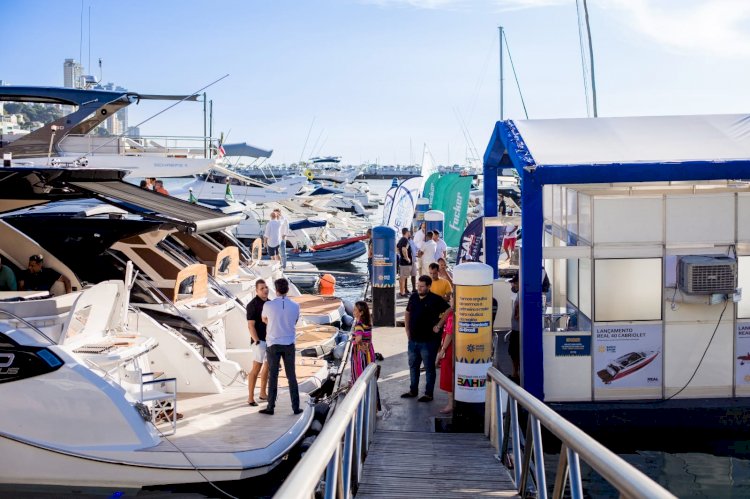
(591, 57)
(562, 473)
(211, 121)
(516, 439)
(346, 472)
(359, 436)
(541, 479)
(500, 35)
(205, 140)
(331, 474)
(366, 422)
(499, 420)
(576, 487)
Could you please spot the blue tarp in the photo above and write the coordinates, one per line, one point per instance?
(306, 224)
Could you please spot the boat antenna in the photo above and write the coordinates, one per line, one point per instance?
(515, 75)
(115, 137)
(80, 40)
(89, 63)
(302, 154)
(591, 56)
(502, 107)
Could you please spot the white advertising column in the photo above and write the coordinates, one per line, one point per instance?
(473, 340)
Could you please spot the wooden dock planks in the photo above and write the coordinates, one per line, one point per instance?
(408, 464)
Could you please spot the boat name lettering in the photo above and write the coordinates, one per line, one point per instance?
(171, 165)
(612, 335)
(10, 371)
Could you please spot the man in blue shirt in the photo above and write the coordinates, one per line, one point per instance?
(281, 316)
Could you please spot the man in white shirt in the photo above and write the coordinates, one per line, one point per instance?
(441, 249)
(281, 316)
(284, 234)
(427, 254)
(418, 240)
(272, 236)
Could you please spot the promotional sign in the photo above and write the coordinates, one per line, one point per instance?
(742, 362)
(404, 202)
(454, 202)
(573, 346)
(627, 356)
(383, 257)
(428, 189)
(388, 204)
(473, 336)
(470, 247)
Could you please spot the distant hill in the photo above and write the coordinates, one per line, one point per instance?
(34, 113)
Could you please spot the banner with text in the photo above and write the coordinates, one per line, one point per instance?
(628, 356)
(473, 335)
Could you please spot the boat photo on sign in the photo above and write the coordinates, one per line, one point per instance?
(627, 360)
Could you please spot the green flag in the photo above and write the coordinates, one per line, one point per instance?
(191, 198)
(441, 186)
(429, 187)
(454, 204)
(228, 193)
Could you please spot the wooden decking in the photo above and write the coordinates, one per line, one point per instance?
(407, 459)
(409, 464)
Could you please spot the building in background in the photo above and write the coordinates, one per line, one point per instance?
(117, 124)
(72, 72)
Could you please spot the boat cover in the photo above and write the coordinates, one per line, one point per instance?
(137, 200)
(307, 223)
(245, 149)
(631, 140)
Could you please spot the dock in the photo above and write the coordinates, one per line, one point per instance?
(408, 458)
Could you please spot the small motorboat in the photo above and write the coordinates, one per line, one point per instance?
(625, 365)
(337, 254)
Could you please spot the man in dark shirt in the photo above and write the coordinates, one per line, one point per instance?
(258, 341)
(38, 278)
(405, 262)
(502, 208)
(422, 314)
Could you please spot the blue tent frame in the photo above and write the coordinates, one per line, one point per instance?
(507, 146)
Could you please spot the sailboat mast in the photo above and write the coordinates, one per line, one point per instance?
(591, 56)
(502, 103)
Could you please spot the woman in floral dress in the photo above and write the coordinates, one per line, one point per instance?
(363, 353)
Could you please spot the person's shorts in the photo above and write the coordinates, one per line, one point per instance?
(405, 270)
(415, 269)
(514, 346)
(273, 250)
(259, 352)
(509, 243)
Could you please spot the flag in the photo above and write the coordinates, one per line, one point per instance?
(228, 192)
(221, 152)
(404, 201)
(453, 201)
(191, 198)
(428, 189)
(470, 247)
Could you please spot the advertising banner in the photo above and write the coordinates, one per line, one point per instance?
(473, 336)
(470, 247)
(627, 356)
(403, 205)
(742, 362)
(455, 203)
(383, 257)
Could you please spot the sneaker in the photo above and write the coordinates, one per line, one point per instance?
(425, 398)
(408, 395)
(266, 411)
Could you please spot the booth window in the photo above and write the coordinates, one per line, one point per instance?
(743, 282)
(572, 281)
(628, 289)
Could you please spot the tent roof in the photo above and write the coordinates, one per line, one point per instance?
(245, 149)
(652, 139)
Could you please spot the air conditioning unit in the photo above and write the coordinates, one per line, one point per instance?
(707, 275)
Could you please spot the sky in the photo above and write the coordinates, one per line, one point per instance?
(376, 80)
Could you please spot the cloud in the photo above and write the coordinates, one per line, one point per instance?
(710, 27)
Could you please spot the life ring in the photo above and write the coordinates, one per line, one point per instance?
(309, 174)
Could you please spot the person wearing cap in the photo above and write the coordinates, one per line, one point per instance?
(514, 343)
(39, 278)
(7, 278)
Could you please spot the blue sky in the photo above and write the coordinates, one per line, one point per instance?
(377, 75)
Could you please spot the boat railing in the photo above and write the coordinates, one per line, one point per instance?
(188, 146)
(339, 451)
(527, 454)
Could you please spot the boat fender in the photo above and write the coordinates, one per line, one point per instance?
(327, 285)
(306, 443)
(321, 411)
(338, 352)
(347, 321)
(348, 307)
(315, 427)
